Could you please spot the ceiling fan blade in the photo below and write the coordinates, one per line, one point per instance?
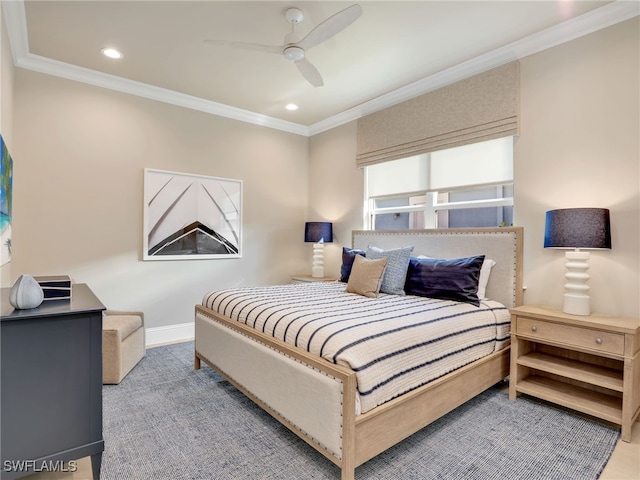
(310, 72)
(247, 46)
(331, 26)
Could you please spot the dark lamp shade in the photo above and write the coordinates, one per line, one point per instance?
(318, 232)
(570, 228)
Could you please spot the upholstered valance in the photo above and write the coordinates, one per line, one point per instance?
(479, 108)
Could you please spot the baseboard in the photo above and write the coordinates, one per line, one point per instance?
(181, 332)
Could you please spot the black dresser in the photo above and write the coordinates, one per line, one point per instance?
(51, 384)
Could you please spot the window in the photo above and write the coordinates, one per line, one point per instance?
(468, 186)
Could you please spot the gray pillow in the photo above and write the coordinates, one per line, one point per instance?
(395, 272)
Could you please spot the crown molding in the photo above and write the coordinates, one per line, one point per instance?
(123, 85)
(15, 18)
(603, 17)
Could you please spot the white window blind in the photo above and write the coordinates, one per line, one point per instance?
(398, 176)
(483, 163)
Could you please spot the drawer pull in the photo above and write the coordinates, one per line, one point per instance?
(534, 328)
(599, 341)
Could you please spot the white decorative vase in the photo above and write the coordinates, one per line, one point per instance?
(26, 293)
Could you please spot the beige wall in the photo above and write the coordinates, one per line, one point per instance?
(80, 152)
(335, 189)
(6, 112)
(579, 147)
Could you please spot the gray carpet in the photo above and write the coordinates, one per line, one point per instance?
(168, 421)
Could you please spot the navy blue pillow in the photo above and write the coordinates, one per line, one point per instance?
(455, 279)
(348, 255)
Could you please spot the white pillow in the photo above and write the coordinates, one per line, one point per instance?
(485, 271)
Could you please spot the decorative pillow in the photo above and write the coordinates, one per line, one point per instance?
(348, 255)
(366, 276)
(395, 274)
(485, 272)
(455, 279)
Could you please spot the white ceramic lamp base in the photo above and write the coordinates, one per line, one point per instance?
(317, 271)
(576, 297)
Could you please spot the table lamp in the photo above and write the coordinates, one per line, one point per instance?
(577, 229)
(319, 233)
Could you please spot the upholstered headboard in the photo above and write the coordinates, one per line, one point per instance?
(503, 245)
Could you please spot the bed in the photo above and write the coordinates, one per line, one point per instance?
(314, 390)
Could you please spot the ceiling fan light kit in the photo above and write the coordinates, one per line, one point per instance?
(295, 49)
(295, 54)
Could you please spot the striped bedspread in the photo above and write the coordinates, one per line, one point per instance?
(393, 343)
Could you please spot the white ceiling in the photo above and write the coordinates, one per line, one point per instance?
(394, 51)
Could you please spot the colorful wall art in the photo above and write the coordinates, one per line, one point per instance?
(6, 191)
(191, 216)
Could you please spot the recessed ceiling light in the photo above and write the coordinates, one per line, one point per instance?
(291, 106)
(111, 53)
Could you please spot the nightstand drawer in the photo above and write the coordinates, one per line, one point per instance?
(580, 337)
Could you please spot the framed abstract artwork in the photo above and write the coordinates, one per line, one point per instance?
(6, 195)
(190, 216)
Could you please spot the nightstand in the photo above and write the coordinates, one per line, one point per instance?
(309, 278)
(586, 363)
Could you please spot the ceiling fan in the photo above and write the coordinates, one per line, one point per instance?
(294, 48)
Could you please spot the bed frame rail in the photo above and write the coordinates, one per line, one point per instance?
(385, 426)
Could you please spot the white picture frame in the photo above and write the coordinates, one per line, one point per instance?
(188, 216)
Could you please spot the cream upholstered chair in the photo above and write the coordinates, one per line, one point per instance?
(122, 344)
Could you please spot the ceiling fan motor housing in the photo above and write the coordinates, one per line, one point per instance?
(294, 15)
